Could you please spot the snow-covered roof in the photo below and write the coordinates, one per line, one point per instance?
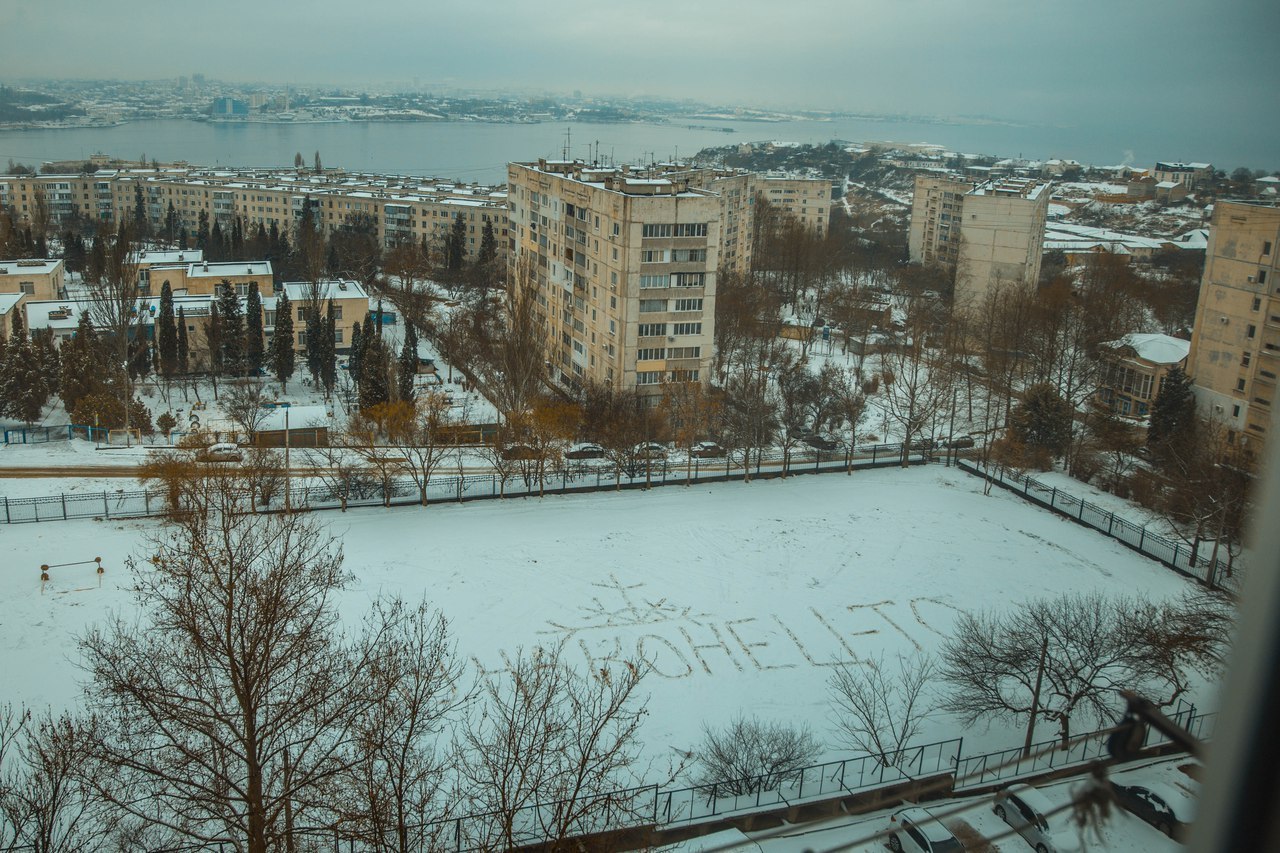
(300, 417)
(8, 300)
(32, 266)
(222, 269)
(185, 256)
(1166, 185)
(301, 290)
(1157, 349)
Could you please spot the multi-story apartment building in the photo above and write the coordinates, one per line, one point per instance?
(624, 267)
(400, 208)
(1190, 175)
(1235, 343)
(808, 200)
(934, 235)
(38, 278)
(988, 234)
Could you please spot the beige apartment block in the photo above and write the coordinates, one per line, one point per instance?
(400, 208)
(806, 199)
(1235, 343)
(991, 233)
(36, 277)
(350, 306)
(204, 279)
(624, 266)
(934, 235)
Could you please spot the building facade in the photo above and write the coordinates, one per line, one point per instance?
(38, 278)
(988, 234)
(400, 208)
(1133, 370)
(1190, 175)
(624, 267)
(1235, 343)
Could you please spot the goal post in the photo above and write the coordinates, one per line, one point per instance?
(121, 437)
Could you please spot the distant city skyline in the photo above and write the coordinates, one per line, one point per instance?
(1176, 66)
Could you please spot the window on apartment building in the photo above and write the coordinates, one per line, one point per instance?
(684, 376)
(656, 230)
(1252, 330)
(28, 287)
(650, 353)
(1245, 358)
(685, 256)
(648, 377)
(1266, 247)
(690, 279)
(302, 313)
(687, 329)
(1239, 384)
(616, 229)
(1235, 411)
(650, 282)
(688, 304)
(1257, 303)
(684, 352)
(650, 330)
(1262, 276)
(302, 338)
(655, 256)
(337, 336)
(692, 229)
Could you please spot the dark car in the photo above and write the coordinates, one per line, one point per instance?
(1167, 810)
(959, 442)
(585, 451)
(707, 450)
(821, 442)
(519, 452)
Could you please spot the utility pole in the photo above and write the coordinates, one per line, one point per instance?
(287, 475)
(1035, 698)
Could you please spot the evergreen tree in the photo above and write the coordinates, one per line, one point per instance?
(97, 262)
(314, 347)
(378, 331)
(17, 329)
(23, 389)
(233, 346)
(1042, 420)
(184, 238)
(375, 370)
(184, 346)
(488, 245)
(408, 367)
(85, 366)
(357, 350)
(1173, 412)
(282, 357)
(170, 224)
(140, 222)
(319, 168)
(297, 160)
(202, 230)
(253, 344)
(167, 333)
(236, 251)
(139, 358)
(456, 244)
(213, 338)
(329, 357)
(50, 359)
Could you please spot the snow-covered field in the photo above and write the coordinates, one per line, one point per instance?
(740, 596)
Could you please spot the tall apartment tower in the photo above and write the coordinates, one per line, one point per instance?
(1235, 343)
(989, 234)
(625, 267)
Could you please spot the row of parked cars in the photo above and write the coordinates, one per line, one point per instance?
(1030, 815)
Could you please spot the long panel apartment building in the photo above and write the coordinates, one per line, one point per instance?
(1235, 345)
(624, 264)
(401, 208)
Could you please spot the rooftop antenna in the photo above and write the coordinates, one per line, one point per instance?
(568, 138)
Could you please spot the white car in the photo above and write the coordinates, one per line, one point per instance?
(224, 451)
(918, 831)
(1025, 809)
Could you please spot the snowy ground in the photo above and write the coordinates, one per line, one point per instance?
(740, 596)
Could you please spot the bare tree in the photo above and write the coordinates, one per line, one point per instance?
(416, 437)
(917, 385)
(550, 751)
(509, 346)
(242, 401)
(113, 306)
(1061, 658)
(397, 782)
(751, 755)
(47, 801)
(878, 707)
(233, 713)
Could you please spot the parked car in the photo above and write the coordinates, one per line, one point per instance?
(1165, 808)
(918, 831)
(821, 442)
(224, 451)
(650, 450)
(1024, 809)
(707, 450)
(585, 451)
(519, 451)
(959, 442)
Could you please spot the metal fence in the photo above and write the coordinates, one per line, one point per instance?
(979, 771)
(58, 432)
(364, 490)
(1176, 555)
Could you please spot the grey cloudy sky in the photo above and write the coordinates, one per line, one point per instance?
(1026, 60)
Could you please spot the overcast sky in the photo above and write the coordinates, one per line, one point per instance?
(1056, 61)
